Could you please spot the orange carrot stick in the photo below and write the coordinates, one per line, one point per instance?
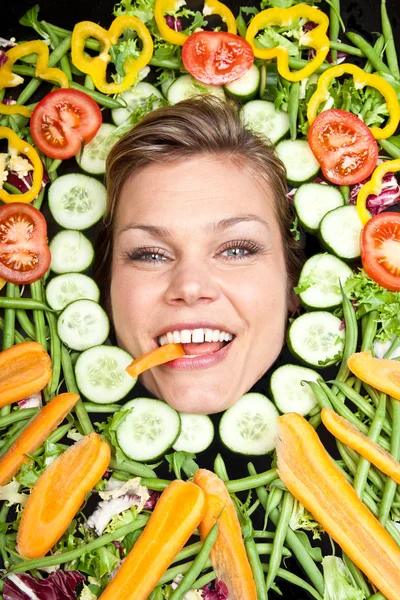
(34, 435)
(24, 369)
(175, 517)
(228, 555)
(353, 437)
(58, 494)
(156, 357)
(382, 373)
(311, 476)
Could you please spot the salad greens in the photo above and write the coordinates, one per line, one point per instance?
(115, 513)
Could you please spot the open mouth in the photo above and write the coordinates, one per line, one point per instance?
(197, 342)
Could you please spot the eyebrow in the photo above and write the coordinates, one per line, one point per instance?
(213, 227)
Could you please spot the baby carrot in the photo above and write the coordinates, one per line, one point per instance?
(34, 435)
(156, 357)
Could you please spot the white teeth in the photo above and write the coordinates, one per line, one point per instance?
(186, 336)
(195, 336)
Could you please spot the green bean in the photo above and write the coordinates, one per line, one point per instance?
(101, 99)
(204, 580)
(16, 434)
(11, 189)
(63, 557)
(356, 574)
(393, 346)
(315, 421)
(220, 468)
(18, 415)
(360, 478)
(188, 552)
(54, 437)
(3, 518)
(2, 94)
(241, 25)
(165, 64)
(39, 200)
(297, 581)
(368, 52)
(334, 26)
(345, 191)
(197, 566)
(299, 63)
(171, 573)
(155, 484)
(251, 482)
(377, 596)
(351, 458)
(54, 165)
(38, 316)
(70, 382)
(133, 468)
(350, 344)
(25, 323)
(18, 337)
(89, 83)
(378, 47)
(391, 149)
(293, 108)
(362, 404)
(346, 48)
(257, 570)
(260, 533)
(391, 54)
(55, 353)
(9, 315)
(280, 535)
(274, 499)
(64, 62)
(368, 335)
(16, 303)
(91, 407)
(320, 395)
(390, 485)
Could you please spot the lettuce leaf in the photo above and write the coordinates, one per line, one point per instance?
(339, 583)
(59, 585)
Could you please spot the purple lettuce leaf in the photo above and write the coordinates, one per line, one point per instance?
(3, 57)
(173, 22)
(59, 585)
(215, 590)
(389, 195)
(24, 184)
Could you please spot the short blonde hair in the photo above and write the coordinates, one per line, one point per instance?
(204, 125)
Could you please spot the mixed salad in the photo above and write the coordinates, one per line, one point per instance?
(103, 493)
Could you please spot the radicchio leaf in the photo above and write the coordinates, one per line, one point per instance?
(3, 57)
(59, 585)
(173, 22)
(216, 590)
(389, 195)
(8, 100)
(24, 184)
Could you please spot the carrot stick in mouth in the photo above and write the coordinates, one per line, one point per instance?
(156, 357)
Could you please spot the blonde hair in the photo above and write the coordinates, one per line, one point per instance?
(204, 125)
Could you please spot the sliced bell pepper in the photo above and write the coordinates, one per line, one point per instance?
(15, 144)
(374, 186)
(96, 66)
(9, 79)
(316, 38)
(361, 79)
(15, 109)
(156, 357)
(211, 7)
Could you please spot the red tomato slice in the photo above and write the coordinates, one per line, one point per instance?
(62, 120)
(24, 253)
(380, 249)
(344, 146)
(217, 57)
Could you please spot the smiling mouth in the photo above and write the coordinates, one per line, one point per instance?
(197, 342)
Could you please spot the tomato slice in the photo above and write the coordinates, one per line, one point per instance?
(216, 57)
(380, 249)
(24, 253)
(62, 120)
(344, 146)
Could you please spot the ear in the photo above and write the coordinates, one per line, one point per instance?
(294, 304)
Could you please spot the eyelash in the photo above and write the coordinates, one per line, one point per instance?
(140, 254)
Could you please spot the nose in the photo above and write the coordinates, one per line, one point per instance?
(192, 281)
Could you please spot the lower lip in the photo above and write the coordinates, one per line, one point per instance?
(200, 362)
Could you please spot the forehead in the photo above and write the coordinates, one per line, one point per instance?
(198, 190)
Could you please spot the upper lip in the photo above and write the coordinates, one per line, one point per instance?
(191, 326)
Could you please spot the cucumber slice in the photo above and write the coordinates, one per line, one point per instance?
(288, 391)
(340, 232)
(148, 430)
(92, 158)
(301, 164)
(261, 116)
(77, 201)
(316, 339)
(313, 201)
(64, 289)
(246, 87)
(135, 97)
(166, 84)
(197, 433)
(250, 426)
(83, 324)
(101, 376)
(71, 252)
(318, 285)
(186, 87)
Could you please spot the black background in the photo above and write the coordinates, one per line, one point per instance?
(362, 16)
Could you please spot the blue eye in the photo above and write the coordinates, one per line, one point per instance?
(146, 255)
(240, 249)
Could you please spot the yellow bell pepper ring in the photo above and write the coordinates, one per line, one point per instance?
(22, 147)
(361, 79)
(211, 7)
(316, 38)
(96, 66)
(374, 186)
(9, 79)
(15, 109)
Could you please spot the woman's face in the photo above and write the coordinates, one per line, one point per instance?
(197, 256)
